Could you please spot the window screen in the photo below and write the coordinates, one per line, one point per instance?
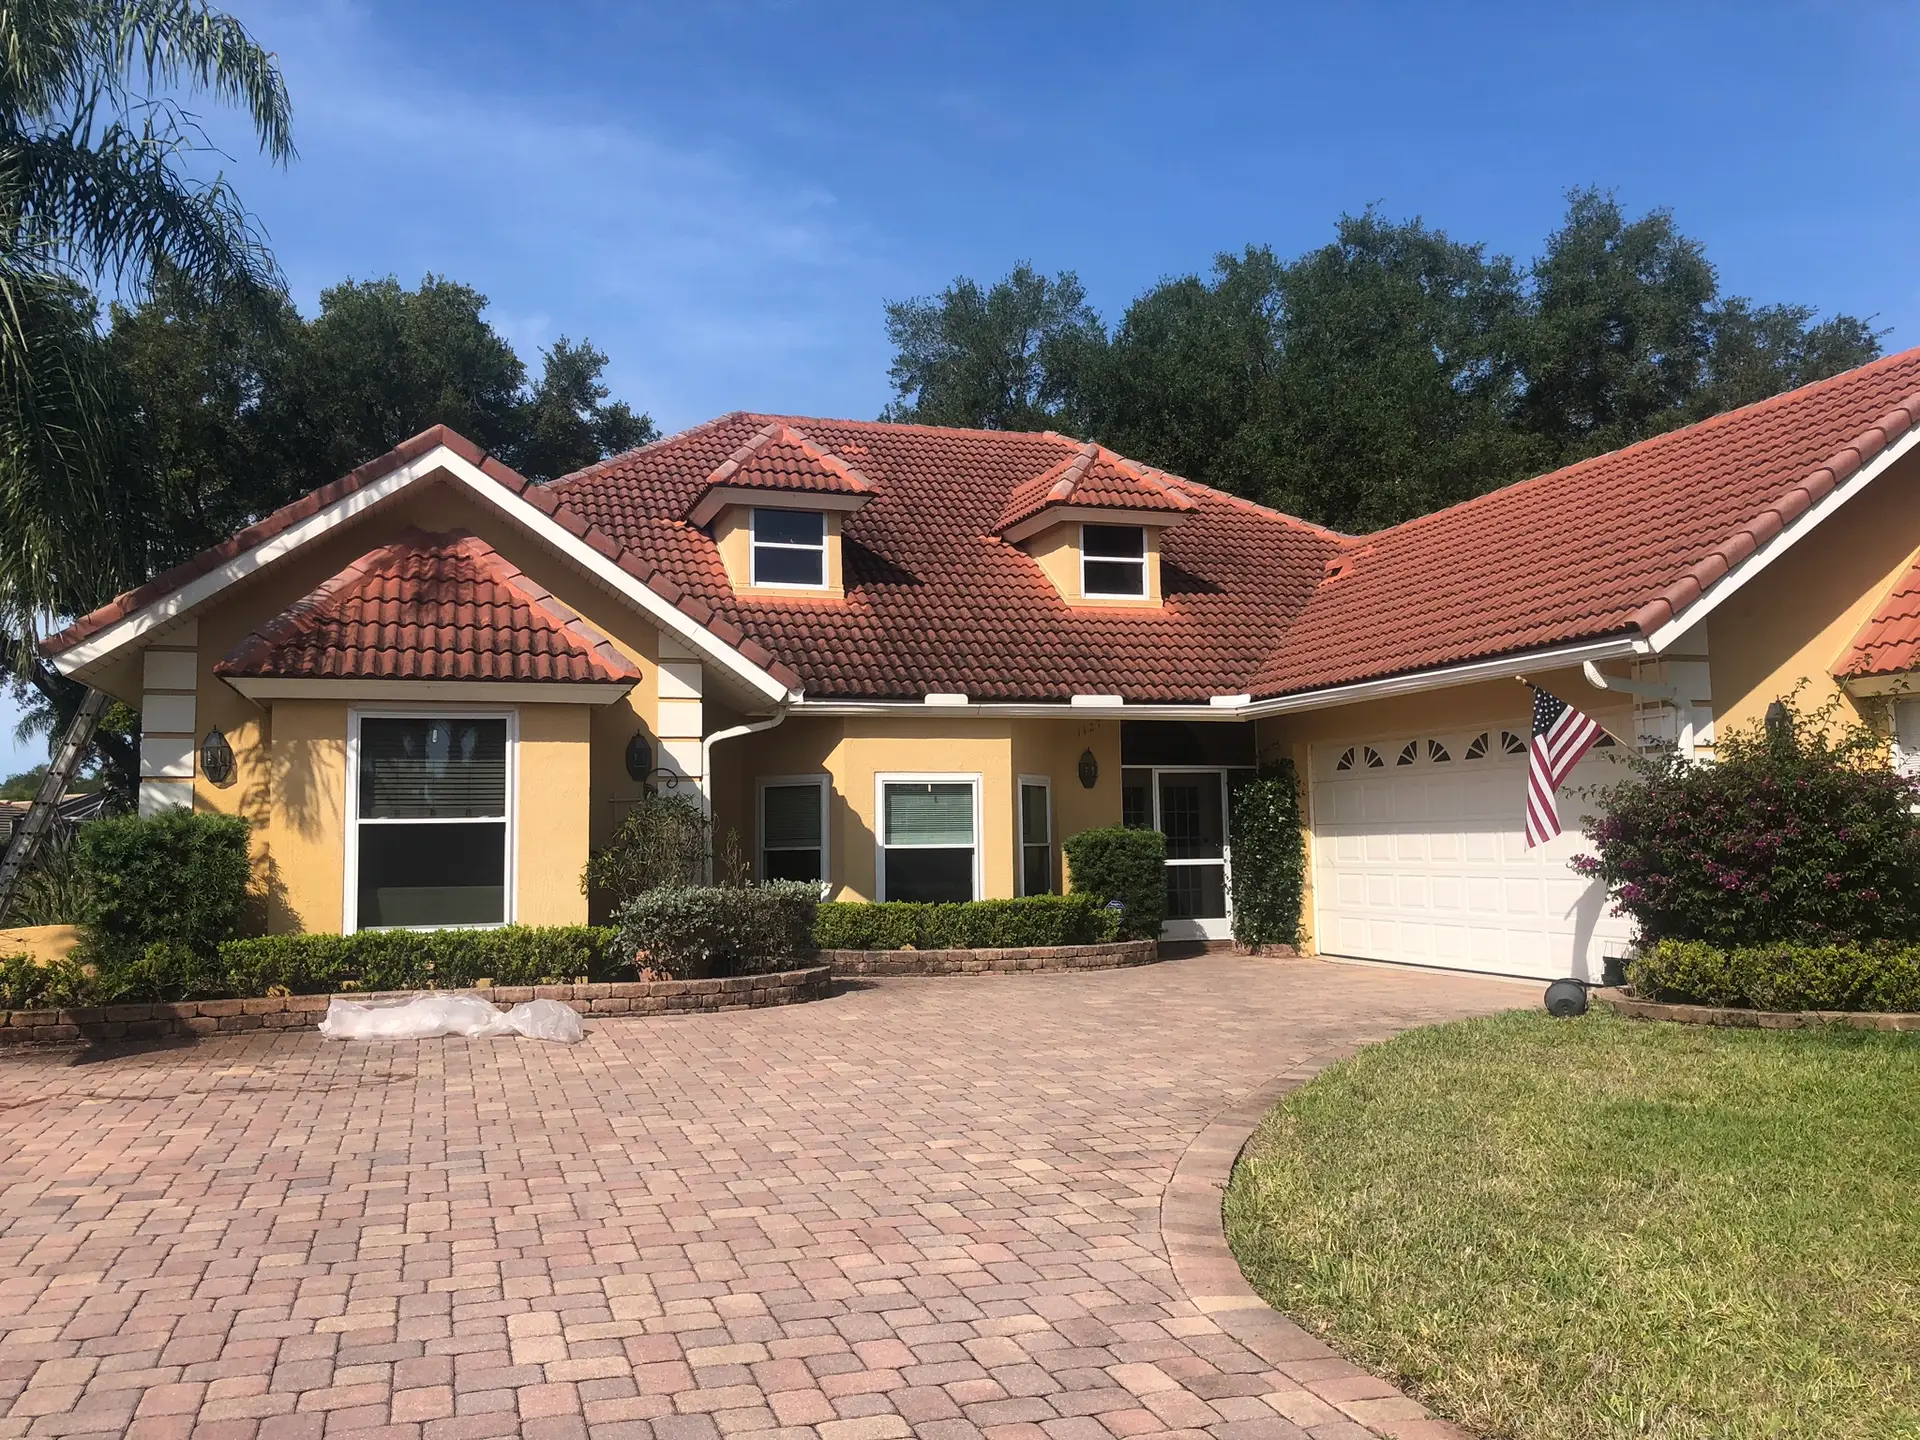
(791, 838)
(789, 547)
(431, 822)
(1036, 841)
(927, 841)
(1113, 560)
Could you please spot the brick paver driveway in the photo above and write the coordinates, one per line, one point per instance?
(922, 1206)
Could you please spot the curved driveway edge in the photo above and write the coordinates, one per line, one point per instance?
(1338, 1400)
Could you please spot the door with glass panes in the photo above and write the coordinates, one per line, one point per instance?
(1189, 806)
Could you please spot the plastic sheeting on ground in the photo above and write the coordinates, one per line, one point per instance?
(423, 1017)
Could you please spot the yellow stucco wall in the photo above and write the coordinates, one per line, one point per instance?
(290, 755)
(1796, 619)
(853, 752)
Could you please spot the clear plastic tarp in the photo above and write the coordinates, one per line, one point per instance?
(424, 1017)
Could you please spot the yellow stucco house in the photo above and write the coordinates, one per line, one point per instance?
(908, 662)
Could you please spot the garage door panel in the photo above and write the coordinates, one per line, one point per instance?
(1427, 863)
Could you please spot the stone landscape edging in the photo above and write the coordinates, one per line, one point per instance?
(1623, 1004)
(1192, 1227)
(1110, 955)
(292, 1012)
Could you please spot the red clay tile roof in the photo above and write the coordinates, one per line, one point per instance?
(1889, 643)
(935, 603)
(775, 458)
(1614, 545)
(430, 607)
(1092, 476)
(1255, 601)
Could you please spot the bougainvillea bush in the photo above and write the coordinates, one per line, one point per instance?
(1798, 831)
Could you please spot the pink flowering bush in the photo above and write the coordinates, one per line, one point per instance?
(1804, 834)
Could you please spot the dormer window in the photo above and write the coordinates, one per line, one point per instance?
(790, 548)
(1113, 561)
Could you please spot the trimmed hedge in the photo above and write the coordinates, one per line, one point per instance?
(1129, 866)
(1784, 976)
(176, 878)
(698, 931)
(1269, 858)
(420, 959)
(1077, 919)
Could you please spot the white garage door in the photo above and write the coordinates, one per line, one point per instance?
(1420, 856)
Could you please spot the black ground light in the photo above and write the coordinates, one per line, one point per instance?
(1567, 998)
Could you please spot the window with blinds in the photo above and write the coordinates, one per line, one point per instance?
(793, 829)
(927, 840)
(432, 821)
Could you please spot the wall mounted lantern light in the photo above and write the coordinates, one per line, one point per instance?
(216, 757)
(1089, 770)
(639, 756)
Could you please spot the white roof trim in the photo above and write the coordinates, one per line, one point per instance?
(517, 508)
(1731, 583)
(1051, 515)
(552, 692)
(721, 497)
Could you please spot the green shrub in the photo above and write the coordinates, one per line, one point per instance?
(1077, 919)
(54, 890)
(419, 959)
(175, 878)
(158, 974)
(28, 984)
(1269, 858)
(1128, 866)
(663, 843)
(1800, 834)
(694, 932)
(1781, 976)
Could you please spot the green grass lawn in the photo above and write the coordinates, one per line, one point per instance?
(1566, 1230)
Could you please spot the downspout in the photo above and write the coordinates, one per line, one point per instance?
(732, 732)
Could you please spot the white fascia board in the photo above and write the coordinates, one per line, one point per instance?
(519, 692)
(163, 611)
(1731, 583)
(1862, 686)
(721, 497)
(1108, 708)
(515, 507)
(1501, 667)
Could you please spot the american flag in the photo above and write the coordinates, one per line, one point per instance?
(1561, 735)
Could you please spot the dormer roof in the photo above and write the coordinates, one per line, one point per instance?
(778, 463)
(1091, 477)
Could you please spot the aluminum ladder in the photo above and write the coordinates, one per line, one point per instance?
(60, 772)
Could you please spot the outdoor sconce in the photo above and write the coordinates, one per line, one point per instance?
(216, 757)
(639, 757)
(1089, 770)
(1779, 726)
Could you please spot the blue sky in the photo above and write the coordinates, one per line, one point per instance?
(723, 194)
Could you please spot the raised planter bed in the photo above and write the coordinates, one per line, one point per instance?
(295, 1012)
(1622, 1003)
(1109, 956)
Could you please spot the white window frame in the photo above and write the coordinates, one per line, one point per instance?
(885, 778)
(350, 898)
(1086, 559)
(1021, 783)
(1906, 745)
(754, 542)
(825, 786)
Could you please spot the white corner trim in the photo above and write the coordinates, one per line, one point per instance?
(1731, 583)
(439, 459)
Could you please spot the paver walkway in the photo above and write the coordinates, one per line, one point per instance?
(927, 1206)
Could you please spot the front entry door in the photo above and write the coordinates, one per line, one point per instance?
(1192, 814)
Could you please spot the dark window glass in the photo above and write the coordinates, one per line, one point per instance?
(775, 566)
(1136, 799)
(789, 527)
(433, 874)
(1196, 892)
(1114, 542)
(790, 836)
(432, 769)
(930, 876)
(791, 865)
(1036, 843)
(1190, 816)
(1115, 577)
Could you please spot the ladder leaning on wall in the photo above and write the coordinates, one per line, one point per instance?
(60, 772)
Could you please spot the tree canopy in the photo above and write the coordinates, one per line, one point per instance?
(1386, 374)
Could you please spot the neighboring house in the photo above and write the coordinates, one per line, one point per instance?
(908, 661)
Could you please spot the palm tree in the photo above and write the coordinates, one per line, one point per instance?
(95, 190)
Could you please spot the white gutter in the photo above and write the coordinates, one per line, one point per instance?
(731, 733)
(1645, 689)
(1225, 708)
